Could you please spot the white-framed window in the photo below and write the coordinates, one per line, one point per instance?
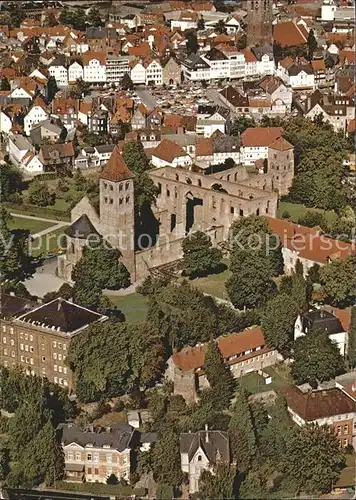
(55, 368)
(78, 456)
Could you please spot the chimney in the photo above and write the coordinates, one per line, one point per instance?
(59, 305)
(206, 433)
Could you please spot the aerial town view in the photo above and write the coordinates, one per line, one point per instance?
(177, 249)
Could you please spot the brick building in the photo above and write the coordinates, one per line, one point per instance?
(333, 407)
(37, 337)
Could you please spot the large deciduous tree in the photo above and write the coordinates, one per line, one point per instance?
(313, 458)
(39, 194)
(250, 284)
(199, 256)
(16, 263)
(99, 268)
(316, 359)
(219, 483)
(10, 182)
(338, 279)
(278, 322)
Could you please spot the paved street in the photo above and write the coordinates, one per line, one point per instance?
(45, 279)
(146, 97)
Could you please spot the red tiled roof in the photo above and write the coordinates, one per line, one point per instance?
(260, 136)
(89, 56)
(315, 405)
(281, 144)
(288, 34)
(167, 151)
(308, 242)
(249, 55)
(318, 65)
(192, 358)
(351, 126)
(204, 147)
(116, 169)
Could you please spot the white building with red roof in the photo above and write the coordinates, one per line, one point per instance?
(255, 143)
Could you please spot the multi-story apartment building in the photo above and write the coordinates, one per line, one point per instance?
(37, 337)
(116, 67)
(93, 454)
(333, 407)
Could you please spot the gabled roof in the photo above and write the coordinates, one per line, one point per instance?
(168, 151)
(192, 358)
(116, 169)
(288, 34)
(260, 136)
(214, 444)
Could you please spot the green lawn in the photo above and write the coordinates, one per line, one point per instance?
(254, 383)
(214, 284)
(50, 243)
(134, 306)
(34, 226)
(295, 210)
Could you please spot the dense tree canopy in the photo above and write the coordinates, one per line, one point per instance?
(112, 359)
(316, 359)
(199, 256)
(218, 484)
(10, 182)
(186, 316)
(250, 284)
(35, 452)
(16, 263)
(338, 279)
(313, 458)
(166, 457)
(99, 268)
(39, 194)
(278, 322)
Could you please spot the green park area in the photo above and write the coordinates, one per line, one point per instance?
(34, 226)
(295, 211)
(134, 306)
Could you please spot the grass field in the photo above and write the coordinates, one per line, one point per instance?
(134, 306)
(34, 226)
(49, 243)
(295, 210)
(214, 284)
